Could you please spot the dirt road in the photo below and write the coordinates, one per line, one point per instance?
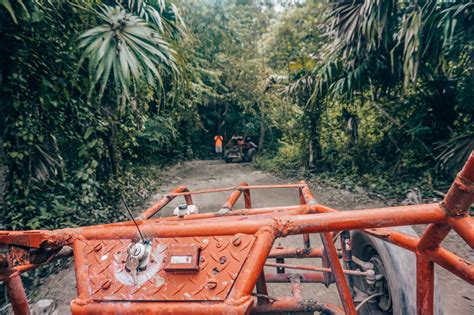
(457, 296)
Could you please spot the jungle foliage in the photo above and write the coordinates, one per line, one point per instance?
(94, 92)
(386, 87)
(81, 82)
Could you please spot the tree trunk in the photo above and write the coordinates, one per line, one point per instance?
(263, 130)
(223, 119)
(114, 157)
(313, 121)
(310, 155)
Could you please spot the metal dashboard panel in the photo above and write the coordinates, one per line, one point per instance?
(220, 260)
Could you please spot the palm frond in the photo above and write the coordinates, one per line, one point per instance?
(159, 13)
(10, 8)
(46, 160)
(126, 50)
(407, 38)
(358, 27)
(453, 152)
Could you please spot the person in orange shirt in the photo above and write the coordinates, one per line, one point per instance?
(218, 144)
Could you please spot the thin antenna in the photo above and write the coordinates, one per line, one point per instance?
(133, 219)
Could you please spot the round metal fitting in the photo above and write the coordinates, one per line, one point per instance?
(237, 240)
(98, 247)
(211, 283)
(106, 284)
(137, 250)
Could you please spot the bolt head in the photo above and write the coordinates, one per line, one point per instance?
(106, 284)
(211, 283)
(98, 247)
(222, 260)
(237, 241)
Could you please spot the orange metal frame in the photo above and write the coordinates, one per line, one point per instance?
(256, 227)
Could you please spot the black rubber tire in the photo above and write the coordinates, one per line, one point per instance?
(251, 154)
(226, 157)
(400, 271)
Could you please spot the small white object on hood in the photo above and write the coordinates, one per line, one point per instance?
(183, 209)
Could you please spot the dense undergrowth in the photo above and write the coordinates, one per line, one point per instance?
(378, 184)
(72, 148)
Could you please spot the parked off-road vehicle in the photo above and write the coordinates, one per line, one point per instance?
(240, 149)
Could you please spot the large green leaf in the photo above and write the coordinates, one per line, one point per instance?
(126, 51)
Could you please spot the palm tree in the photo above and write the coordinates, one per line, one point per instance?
(132, 45)
(131, 48)
(388, 41)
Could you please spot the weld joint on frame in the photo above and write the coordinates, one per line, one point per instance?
(451, 212)
(463, 183)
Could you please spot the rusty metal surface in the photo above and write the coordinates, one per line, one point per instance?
(220, 261)
(182, 258)
(16, 294)
(84, 307)
(18, 256)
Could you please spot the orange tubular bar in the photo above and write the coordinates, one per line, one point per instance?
(307, 195)
(16, 294)
(247, 199)
(295, 253)
(246, 187)
(464, 227)
(311, 268)
(85, 307)
(313, 277)
(252, 268)
(148, 213)
(248, 224)
(289, 304)
(461, 194)
(456, 204)
(451, 262)
(232, 200)
(341, 282)
(295, 303)
(238, 212)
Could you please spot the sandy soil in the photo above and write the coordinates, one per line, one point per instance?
(457, 296)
